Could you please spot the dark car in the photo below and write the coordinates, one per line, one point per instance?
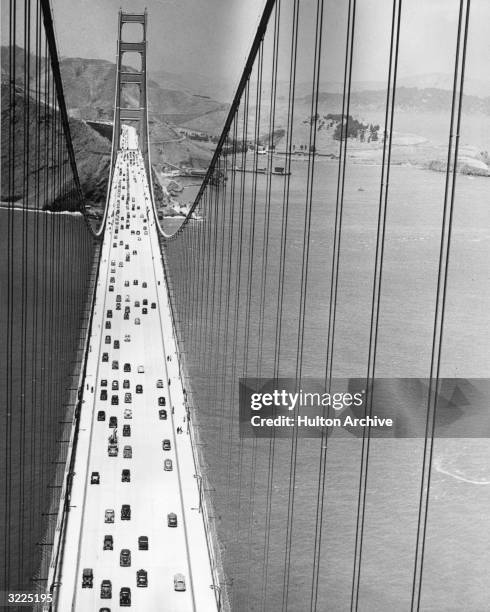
(135, 282)
(106, 589)
(144, 285)
(139, 388)
(116, 344)
(108, 325)
(172, 519)
(125, 383)
(125, 558)
(87, 578)
(108, 542)
(115, 385)
(109, 314)
(103, 382)
(125, 597)
(103, 394)
(126, 476)
(144, 311)
(153, 305)
(95, 478)
(127, 367)
(101, 415)
(161, 401)
(126, 316)
(145, 302)
(125, 512)
(105, 356)
(113, 421)
(162, 414)
(141, 578)
(166, 444)
(118, 306)
(143, 543)
(115, 400)
(126, 430)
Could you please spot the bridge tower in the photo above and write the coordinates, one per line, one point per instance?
(137, 116)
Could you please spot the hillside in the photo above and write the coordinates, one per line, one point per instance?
(93, 164)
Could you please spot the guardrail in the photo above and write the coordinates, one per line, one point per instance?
(64, 507)
(216, 586)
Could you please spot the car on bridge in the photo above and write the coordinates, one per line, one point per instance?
(125, 512)
(87, 578)
(143, 543)
(106, 589)
(95, 478)
(141, 578)
(126, 430)
(108, 542)
(125, 558)
(126, 476)
(172, 519)
(179, 582)
(125, 597)
(167, 465)
(101, 415)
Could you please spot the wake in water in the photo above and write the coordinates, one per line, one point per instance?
(457, 475)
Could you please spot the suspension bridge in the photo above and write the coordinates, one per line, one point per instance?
(128, 478)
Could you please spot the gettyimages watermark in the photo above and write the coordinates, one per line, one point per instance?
(386, 407)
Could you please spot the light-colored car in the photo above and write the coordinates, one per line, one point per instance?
(141, 369)
(159, 383)
(128, 413)
(167, 465)
(179, 582)
(137, 321)
(128, 452)
(109, 516)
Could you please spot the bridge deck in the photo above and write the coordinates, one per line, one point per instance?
(152, 492)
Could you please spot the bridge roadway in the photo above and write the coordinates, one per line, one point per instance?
(152, 492)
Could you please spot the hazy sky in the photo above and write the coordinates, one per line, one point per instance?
(213, 36)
